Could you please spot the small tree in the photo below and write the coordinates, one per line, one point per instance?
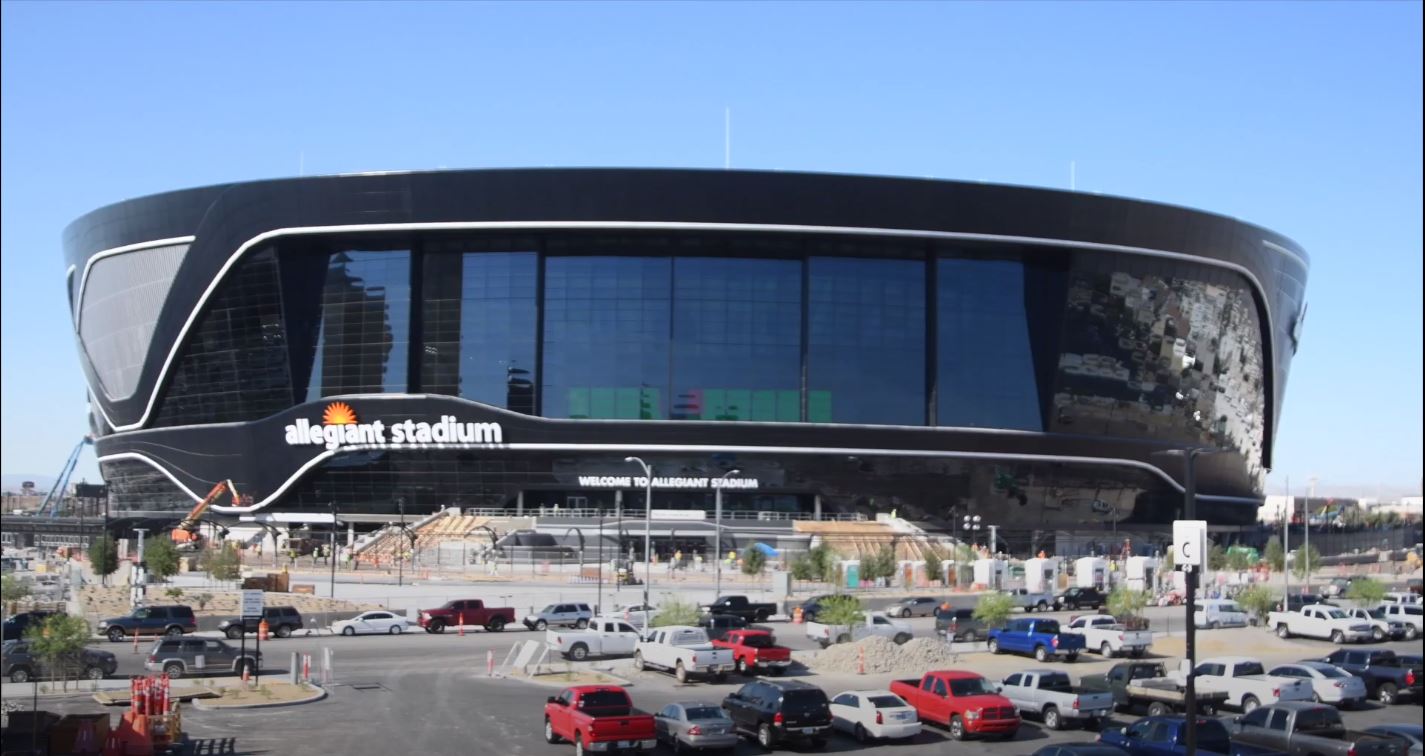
(174, 593)
(203, 600)
(222, 562)
(1216, 557)
(1274, 555)
(1238, 559)
(1306, 561)
(1257, 599)
(881, 564)
(803, 568)
(824, 561)
(841, 610)
(675, 611)
(58, 641)
(753, 561)
(1127, 604)
(13, 589)
(161, 557)
(994, 609)
(934, 565)
(1368, 592)
(104, 556)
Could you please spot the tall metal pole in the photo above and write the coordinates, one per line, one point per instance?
(1286, 545)
(332, 554)
(599, 600)
(1190, 513)
(717, 534)
(400, 544)
(647, 532)
(1306, 523)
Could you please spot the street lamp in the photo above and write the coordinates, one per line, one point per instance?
(331, 553)
(647, 532)
(400, 557)
(717, 529)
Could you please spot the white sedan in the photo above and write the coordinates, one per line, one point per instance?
(378, 621)
(870, 714)
(1329, 683)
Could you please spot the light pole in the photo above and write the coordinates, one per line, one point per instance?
(331, 555)
(717, 533)
(647, 531)
(1306, 525)
(400, 557)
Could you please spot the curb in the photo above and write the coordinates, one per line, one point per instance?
(319, 695)
(533, 681)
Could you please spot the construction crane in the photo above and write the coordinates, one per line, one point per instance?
(55, 497)
(187, 531)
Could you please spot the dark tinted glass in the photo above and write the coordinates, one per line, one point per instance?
(974, 686)
(704, 713)
(1212, 736)
(606, 337)
(996, 338)
(135, 485)
(479, 322)
(605, 702)
(1324, 718)
(233, 366)
(866, 341)
(803, 701)
(736, 339)
(122, 296)
(887, 702)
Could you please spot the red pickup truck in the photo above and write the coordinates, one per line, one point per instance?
(466, 612)
(598, 718)
(753, 650)
(962, 701)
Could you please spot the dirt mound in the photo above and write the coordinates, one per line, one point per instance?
(884, 656)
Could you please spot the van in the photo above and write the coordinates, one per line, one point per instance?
(1216, 613)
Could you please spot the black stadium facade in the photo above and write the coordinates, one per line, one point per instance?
(506, 338)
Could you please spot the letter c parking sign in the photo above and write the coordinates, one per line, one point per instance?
(1189, 542)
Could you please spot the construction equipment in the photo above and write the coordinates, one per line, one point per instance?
(187, 531)
(55, 497)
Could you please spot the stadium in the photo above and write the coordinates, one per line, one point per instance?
(796, 346)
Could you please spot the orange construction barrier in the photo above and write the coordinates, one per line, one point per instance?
(797, 616)
(262, 629)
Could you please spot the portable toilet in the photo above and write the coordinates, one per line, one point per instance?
(989, 572)
(1091, 572)
(851, 569)
(1142, 573)
(1039, 574)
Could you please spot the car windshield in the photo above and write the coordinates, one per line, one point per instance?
(1330, 672)
(607, 702)
(1336, 614)
(704, 713)
(971, 686)
(758, 641)
(887, 702)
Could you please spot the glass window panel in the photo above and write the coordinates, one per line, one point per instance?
(121, 299)
(479, 323)
(606, 329)
(363, 324)
(985, 372)
(866, 350)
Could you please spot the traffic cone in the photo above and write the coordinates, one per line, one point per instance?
(461, 619)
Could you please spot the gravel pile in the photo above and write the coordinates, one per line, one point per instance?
(884, 656)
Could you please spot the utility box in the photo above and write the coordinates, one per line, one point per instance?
(1091, 572)
(1039, 574)
(989, 572)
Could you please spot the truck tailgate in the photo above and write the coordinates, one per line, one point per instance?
(636, 726)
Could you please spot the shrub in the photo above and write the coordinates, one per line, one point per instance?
(819, 564)
(1274, 555)
(1366, 591)
(1258, 600)
(841, 610)
(881, 564)
(1238, 559)
(174, 593)
(994, 609)
(59, 640)
(675, 611)
(222, 562)
(934, 565)
(753, 561)
(161, 557)
(1126, 604)
(13, 589)
(1216, 557)
(104, 556)
(1306, 561)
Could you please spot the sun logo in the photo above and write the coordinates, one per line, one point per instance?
(339, 413)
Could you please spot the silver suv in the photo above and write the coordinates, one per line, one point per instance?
(180, 656)
(568, 615)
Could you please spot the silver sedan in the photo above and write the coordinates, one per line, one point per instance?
(914, 606)
(694, 725)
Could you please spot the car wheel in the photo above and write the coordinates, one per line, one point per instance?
(1138, 653)
(20, 675)
(844, 638)
(496, 625)
(581, 624)
(233, 633)
(395, 630)
(675, 744)
(957, 728)
(173, 670)
(765, 738)
(1316, 698)
(1250, 704)
(173, 632)
(435, 626)
(1093, 724)
(741, 666)
(971, 636)
(680, 672)
(719, 676)
(348, 630)
(579, 652)
(1106, 651)
(549, 736)
(1041, 654)
(638, 660)
(1052, 719)
(1378, 635)
(94, 673)
(1071, 657)
(1215, 625)
(1386, 693)
(578, 744)
(116, 634)
(1283, 632)
(1158, 709)
(1411, 632)
(246, 665)
(1041, 606)
(994, 645)
(1338, 637)
(541, 625)
(901, 639)
(284, 631)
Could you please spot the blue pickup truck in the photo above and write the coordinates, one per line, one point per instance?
(1040, 637)
(1166, 736)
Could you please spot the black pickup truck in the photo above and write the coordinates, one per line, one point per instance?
(1387, 679)
(739, 606)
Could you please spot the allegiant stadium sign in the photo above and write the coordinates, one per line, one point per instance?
(339, 426)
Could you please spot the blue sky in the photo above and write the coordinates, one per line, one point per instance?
(1305, 118)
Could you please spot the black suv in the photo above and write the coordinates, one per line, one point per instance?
(1080, 598)
(20, 666)
(151, 620)
(282, 621)
(780, 710)
(15, 627)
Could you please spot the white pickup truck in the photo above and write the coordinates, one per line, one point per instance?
(1106, 635)
(1030, 601)
(1320, 621)
(875, 623)
(1052, 696)
(605, 637)
(1247, 683)
(683, 650)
